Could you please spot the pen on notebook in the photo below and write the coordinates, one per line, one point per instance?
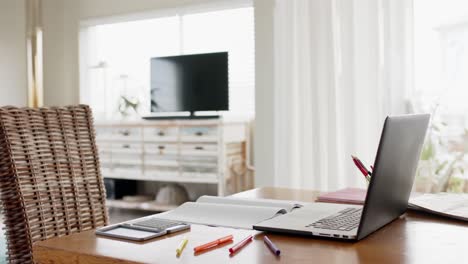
(271, 246)
(240, 245)
(181, 246)
(213, 243)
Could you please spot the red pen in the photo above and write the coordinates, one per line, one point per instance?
(240, 245)
(361, 167)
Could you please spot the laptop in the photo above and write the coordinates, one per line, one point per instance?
(387, 197)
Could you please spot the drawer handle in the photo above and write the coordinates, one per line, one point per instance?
(161, 147)
(199, 148)
(124, 132)
(126, 146)
(199, 133)
(161, 133)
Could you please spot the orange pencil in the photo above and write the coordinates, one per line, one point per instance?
(213, 243)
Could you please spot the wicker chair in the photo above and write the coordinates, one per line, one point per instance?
(50, 182)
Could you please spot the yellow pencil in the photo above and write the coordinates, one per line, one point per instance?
(181, 246)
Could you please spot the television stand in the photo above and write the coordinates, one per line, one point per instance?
(191, 116)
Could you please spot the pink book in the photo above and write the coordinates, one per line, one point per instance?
(344, 196)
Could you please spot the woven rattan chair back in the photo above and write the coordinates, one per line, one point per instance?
(50, 181)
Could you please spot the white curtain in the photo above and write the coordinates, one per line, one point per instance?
(341, 66)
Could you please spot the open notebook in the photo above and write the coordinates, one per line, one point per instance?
(229, 211)
(451, 205)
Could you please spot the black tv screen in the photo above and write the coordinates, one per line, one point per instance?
(197, 82)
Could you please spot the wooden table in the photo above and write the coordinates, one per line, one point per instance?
(413, 238)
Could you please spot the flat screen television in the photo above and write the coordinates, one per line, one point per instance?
(190, 83)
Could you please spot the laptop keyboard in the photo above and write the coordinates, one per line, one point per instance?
(344, 220)
(156, 223)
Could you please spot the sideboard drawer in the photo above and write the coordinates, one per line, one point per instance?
(156, 161)
(161, 149)
(105, 158)
(199, 134)
(103, 133)
(199, 161)
(124, 147)
(104, 146)
(161, 154)
(161, 172)
(126, 158)
(160, 134)
(199, 150)
(126, 170)
(126, 133)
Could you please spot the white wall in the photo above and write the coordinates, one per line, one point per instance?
(60, 48)
(264, 99)
(13, 67)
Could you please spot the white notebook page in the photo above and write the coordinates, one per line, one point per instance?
(285, 204)
(225, 215)
(449, 204)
